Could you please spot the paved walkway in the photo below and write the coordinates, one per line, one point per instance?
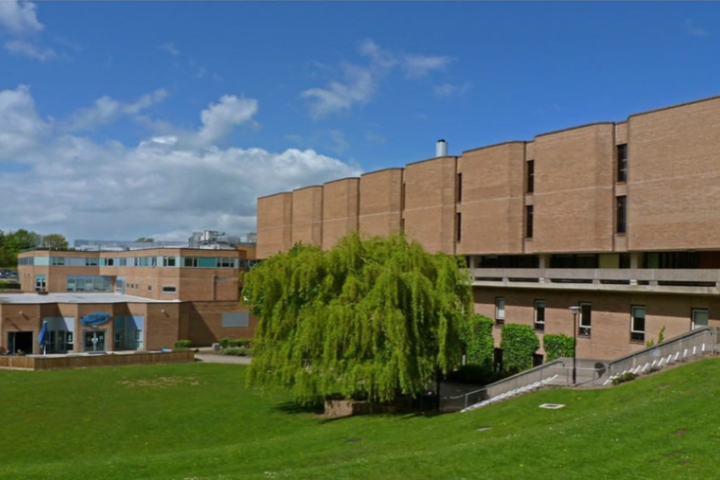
(229, 359)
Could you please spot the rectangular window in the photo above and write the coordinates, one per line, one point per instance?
(91, 262)
(169, 261)
(499, 310)
(540, 315)
(621, 214)
(637, 324)
(122, 262)
(190, 261)
(57, 261)
(458, 226)
(224, 262)
(459, 187)
(240, 319)
(622, 163)
(530, 176)
(700, 317)
(585, 321)
(169, 289)
(529, 221)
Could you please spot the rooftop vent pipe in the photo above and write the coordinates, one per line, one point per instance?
(441, 148)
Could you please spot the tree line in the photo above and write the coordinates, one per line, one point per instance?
(12, 243)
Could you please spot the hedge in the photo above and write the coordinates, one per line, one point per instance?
(479, 341)
(557, 346)
(518, 343)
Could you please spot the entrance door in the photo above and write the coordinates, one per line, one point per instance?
(94, 340)
(20, 342)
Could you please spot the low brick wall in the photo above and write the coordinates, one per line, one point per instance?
(89, 361)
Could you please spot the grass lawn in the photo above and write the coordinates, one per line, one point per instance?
(198, 421)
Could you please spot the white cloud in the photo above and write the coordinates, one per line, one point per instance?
(20, 126)
(106, 109)
(332, 140)
(219, 119)
(170, 48)
(19, 17)
(27, 49)
(360, 82)
(691, 29)
(164, 187)
(449, 90)
(421, 65)
(358, 86)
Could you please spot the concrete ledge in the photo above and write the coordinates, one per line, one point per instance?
(88, 361)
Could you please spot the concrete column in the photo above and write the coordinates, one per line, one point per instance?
(635, 264)
(543, 264)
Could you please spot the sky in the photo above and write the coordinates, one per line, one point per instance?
(128, 119)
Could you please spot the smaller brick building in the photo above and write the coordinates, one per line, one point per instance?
(143, 299)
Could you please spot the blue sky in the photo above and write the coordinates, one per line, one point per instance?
(125, 119)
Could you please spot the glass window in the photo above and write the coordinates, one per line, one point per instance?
(458, 226)
(700, 317)
(540, 315)
(91, 262)
(169, 261)
(459, 187)
(622, 163)
(585, 322)
(529, 221)
(637, 324)
(190, 261)
(530, 176)
(169, 289)
(499, 310)
(207, 262)
(621, 214)
(57, 261)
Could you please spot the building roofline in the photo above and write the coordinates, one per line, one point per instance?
(341, 179)
(305, 188)
(431, 159)
(275, 194)
(524, 142)
(586, 125)
(677, 105)
(382, 170)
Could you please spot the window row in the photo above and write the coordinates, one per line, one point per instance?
(699, 318)
(151, 261)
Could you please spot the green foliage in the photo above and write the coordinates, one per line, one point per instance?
(373, 319)
(661, 338)
(181, 344)
(557, 346)
(237, 351)
(15, 242)
(240, 342)
(625, 377)
(519, 342)
(144, 240)
(479, 342)
(224, 342)
(56, 241)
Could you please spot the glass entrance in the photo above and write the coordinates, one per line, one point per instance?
(94, 340)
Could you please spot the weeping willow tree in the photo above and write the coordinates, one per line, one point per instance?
(371, 319)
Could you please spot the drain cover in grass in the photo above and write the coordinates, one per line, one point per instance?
(552, 406)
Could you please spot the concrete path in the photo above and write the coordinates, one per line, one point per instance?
(228, 359)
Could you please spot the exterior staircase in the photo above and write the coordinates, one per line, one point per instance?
(687, 347)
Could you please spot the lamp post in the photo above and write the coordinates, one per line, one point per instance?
(575, 310)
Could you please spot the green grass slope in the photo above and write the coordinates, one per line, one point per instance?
(200, 422)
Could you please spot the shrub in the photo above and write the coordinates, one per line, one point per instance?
(224, 342)
(237, 351)
(478, 339)
(557, 346)
(625, 377)
(181, 344)
(240, 342)
(519, 342)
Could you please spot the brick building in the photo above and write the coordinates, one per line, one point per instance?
(621, 219)
(144, 299)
